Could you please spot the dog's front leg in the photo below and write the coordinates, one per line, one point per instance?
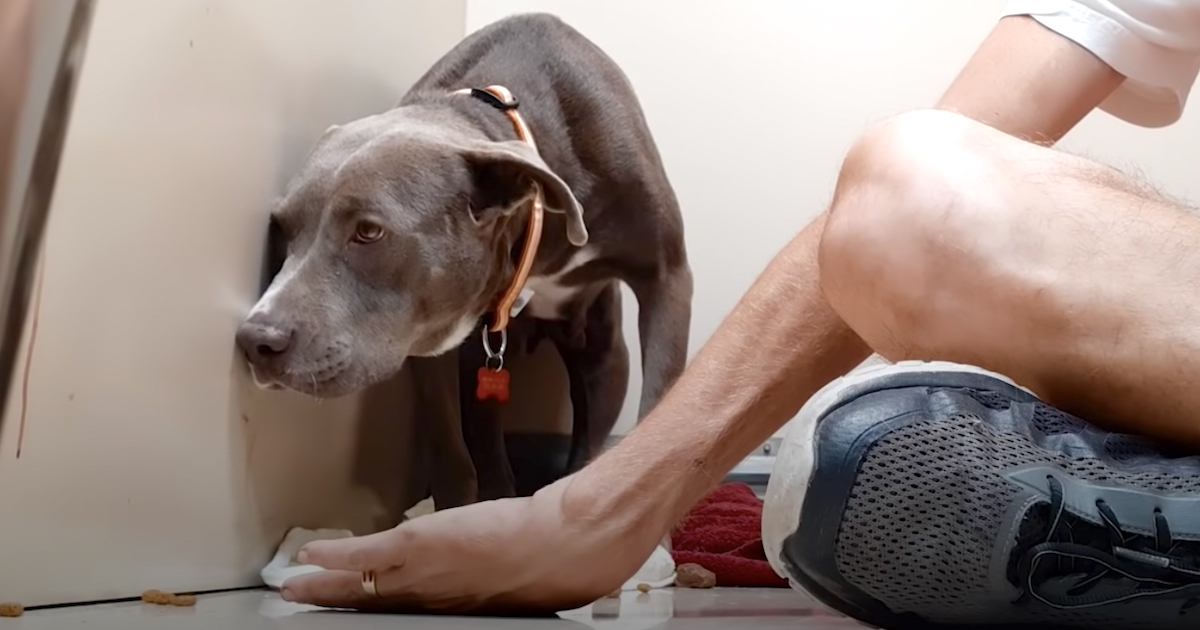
(482, 429)
(664, 320)
(452, 473)
(597, 364)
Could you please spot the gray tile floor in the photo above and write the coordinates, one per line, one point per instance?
(754, 609)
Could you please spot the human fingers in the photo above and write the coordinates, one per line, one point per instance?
(374, 552)
(330, 588)
(344, 589)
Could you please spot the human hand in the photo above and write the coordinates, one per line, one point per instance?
(556, 550)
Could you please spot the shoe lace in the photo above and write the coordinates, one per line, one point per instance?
(1150, 567)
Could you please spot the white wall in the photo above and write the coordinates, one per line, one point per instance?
(149, 460)
(753, 103)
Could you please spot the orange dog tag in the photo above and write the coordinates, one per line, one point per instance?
(492, 384)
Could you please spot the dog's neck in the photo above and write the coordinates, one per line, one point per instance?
(476, 117)
(484, 121)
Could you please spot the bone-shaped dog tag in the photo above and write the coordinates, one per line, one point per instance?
(491, 384)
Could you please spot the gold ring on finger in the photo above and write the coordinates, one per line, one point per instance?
(368, 583)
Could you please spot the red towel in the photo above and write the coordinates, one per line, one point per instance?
(723, 533)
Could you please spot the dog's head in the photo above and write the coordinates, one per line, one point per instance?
(398, 233)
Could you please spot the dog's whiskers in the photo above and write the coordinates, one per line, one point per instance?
(313, 376)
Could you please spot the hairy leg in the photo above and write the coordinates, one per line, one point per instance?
(951, 240)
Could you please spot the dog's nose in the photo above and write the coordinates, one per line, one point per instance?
(262, 342)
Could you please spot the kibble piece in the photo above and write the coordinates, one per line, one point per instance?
(643, 587)
(154, 596)
(182, 600)
(614, 595)
(11, 609)
(694, 576)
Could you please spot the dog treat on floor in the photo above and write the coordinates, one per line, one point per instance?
(614, 595)
(155, 596)
(162, 598)
(643, 587)
(692, 575)
(11, 609)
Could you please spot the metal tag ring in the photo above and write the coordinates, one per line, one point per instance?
(487, 344)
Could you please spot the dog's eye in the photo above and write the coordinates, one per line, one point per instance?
(367, 232)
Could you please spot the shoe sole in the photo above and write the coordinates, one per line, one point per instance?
(793, 469)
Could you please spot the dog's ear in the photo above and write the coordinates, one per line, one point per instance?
(503, 175)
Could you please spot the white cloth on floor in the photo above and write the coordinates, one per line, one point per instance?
(420, 509)
(657, 572)
(285, 565)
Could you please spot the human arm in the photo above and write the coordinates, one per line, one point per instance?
(1048, 63)
(1030, 82)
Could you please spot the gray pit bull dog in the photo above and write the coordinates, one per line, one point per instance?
(402, 229)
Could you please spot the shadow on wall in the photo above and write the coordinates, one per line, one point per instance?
(291, 446)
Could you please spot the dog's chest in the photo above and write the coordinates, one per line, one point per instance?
(550, 294)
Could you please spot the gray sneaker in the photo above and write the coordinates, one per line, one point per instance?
(941, 496)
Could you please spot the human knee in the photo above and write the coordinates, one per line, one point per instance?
(897, 192)
(902, 226)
